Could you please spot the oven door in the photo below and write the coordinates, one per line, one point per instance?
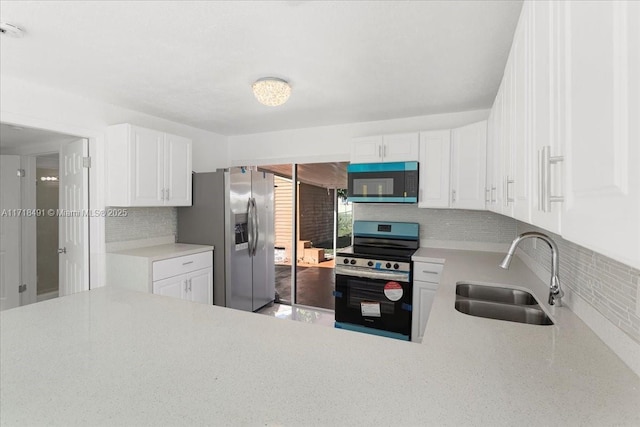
(374, 299)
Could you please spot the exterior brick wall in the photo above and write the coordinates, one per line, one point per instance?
(315, 213)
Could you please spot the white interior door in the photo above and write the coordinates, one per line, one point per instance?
(73, 222)
(9, 232)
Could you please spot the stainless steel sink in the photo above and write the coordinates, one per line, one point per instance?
(498, 303)
(531, 315)
(495, 294)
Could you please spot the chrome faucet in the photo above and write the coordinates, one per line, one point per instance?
(555, 293)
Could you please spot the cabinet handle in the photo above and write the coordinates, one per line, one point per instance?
(507, 199)
(189, 285)
(186, 289)
(429, 272)
(384, 151)
(487, 198)
(187, 263)
(453, 196)
(493, 190)
(380, 151)
(167, 190)
(162, 193)
(547, 161)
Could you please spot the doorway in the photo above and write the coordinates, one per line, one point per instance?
(50, 249)
(315, 209)
(47, 200)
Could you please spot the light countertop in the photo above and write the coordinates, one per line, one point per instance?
(115, 357)
(160, 252)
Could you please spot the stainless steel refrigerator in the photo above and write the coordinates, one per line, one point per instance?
(233, 211)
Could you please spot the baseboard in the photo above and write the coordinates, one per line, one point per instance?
(619, 342)
(47, 295)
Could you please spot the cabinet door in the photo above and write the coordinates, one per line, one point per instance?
(423, 294)
(435, 158)
(366, 150)
(402, 147)
(468, 166)
(200, 286)
(602, 130)
(175, 287)
(546, 64)
(147, 166)
(494, 175)
(177, 183)
(519, 189)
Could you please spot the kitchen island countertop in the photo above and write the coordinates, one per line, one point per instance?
(115, 357)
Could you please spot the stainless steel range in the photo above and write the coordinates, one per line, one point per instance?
(374, 279)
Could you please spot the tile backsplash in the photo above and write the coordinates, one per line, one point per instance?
(607, 285)
(443, 224)
(142, 223)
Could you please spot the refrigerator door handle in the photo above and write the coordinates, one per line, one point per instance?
(250, 226)
(256, 227)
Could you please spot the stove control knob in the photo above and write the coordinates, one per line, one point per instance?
(353, 261)
(346, 261)
(396, 266)
(370, 263)
(388, 265)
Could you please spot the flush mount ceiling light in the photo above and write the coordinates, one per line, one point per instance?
(271, 91)
(11, 30)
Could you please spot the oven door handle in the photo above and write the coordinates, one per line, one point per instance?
(373, 274)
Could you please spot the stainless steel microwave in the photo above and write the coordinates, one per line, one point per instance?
(395, 182)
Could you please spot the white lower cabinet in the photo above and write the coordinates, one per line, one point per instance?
(426, 278)
(196, 286)
(188, 277)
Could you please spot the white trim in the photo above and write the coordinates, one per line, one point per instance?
(47, 296)
(96, 184)
(28, 257)
(325, 158)
(620, 343)
(465, 246)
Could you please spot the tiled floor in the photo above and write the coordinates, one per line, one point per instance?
(301, 314)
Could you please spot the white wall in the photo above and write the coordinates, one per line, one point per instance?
(33, 105)
(35, 102)
(332, 143)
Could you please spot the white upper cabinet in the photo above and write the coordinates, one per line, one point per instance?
(435, 158)
(146, 167)
(402, 147)
(565, 121)
(601, 81)
(518, 181)
(177, 182)
(366, 150)
(546, 130)
(468, 166)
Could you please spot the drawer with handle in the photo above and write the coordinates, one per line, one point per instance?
(427, 272)
(180, 265)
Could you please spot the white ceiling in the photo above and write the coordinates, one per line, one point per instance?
(194, 62)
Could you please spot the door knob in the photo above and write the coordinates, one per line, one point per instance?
(62, 250)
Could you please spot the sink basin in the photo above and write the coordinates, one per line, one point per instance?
(495, 294)
(531, 315)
